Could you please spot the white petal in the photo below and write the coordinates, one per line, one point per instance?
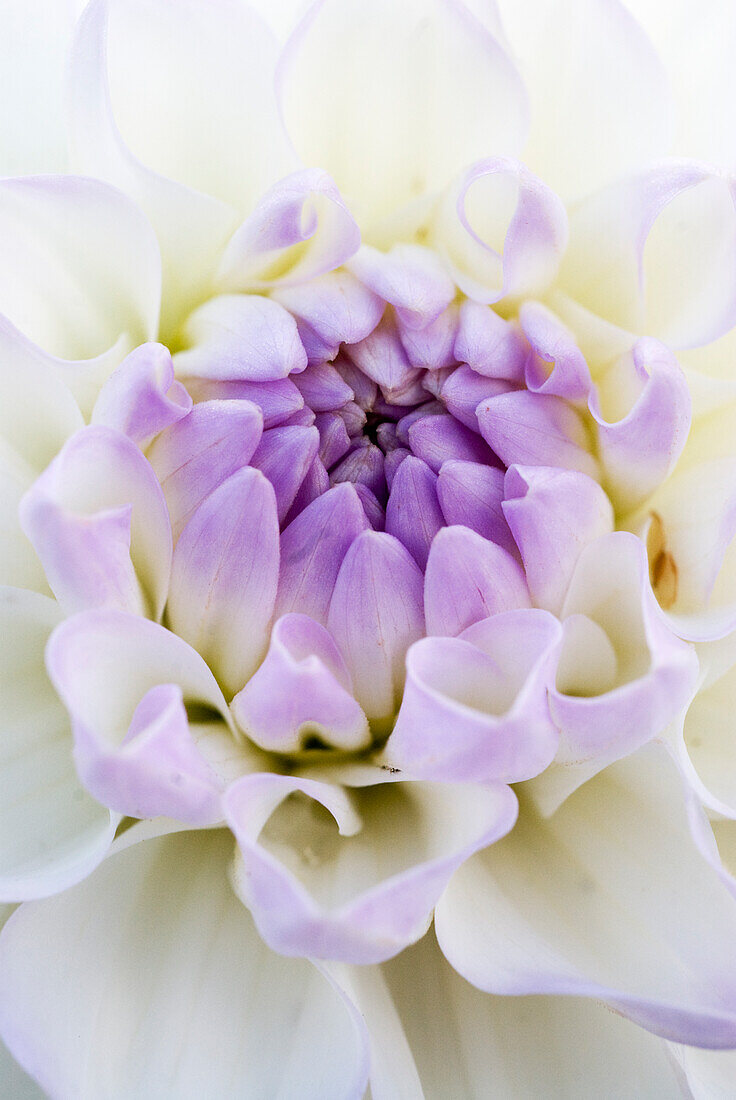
(559, 1048)
(354, 874)
(654, 254)
(37, 416)
(189, 259)
(192, 94)
(80, 265)
(689, 37)
(710, 1074)
(598, 93)
(424, 89)
(150, 980)
(52, 832)
(33, 48)
(608, 899)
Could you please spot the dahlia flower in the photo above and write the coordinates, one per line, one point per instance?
(368, 646)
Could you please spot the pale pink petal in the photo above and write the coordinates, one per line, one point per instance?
(301, 691)
(502, 231)
(475, 707)
(390, 848)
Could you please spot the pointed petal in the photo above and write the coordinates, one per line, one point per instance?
(224, 576)
(465, 389)
(409, 277)
(533, 429)
(490, 345)
(313, 547)
(375, 614)
(285, 455)
(160, 937)
(553, 515)
(437, 439)
(413, 513)
(278, 400)
(195, 455)
(471, 495)
(467, 579)
(330, 310)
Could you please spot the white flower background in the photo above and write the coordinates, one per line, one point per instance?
(627, 113)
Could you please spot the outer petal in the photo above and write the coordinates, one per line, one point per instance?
(53, 833)
(557, 1047)
(467, 579)
(98, 520)
(300, 229)
(475, 707)
(202, 98)
(599, 95)
(381, 138)
(188, 259)
(533, 913)
(553, 515)
(124, 681)
(375, 614)
(224, 576)
(654, 254)
(388, 853)
(34, 48)
(37, 416)
(689, 524)
(159, 936)
(502, 231)
(97, 259)
(642, 408)
(710, 1074)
